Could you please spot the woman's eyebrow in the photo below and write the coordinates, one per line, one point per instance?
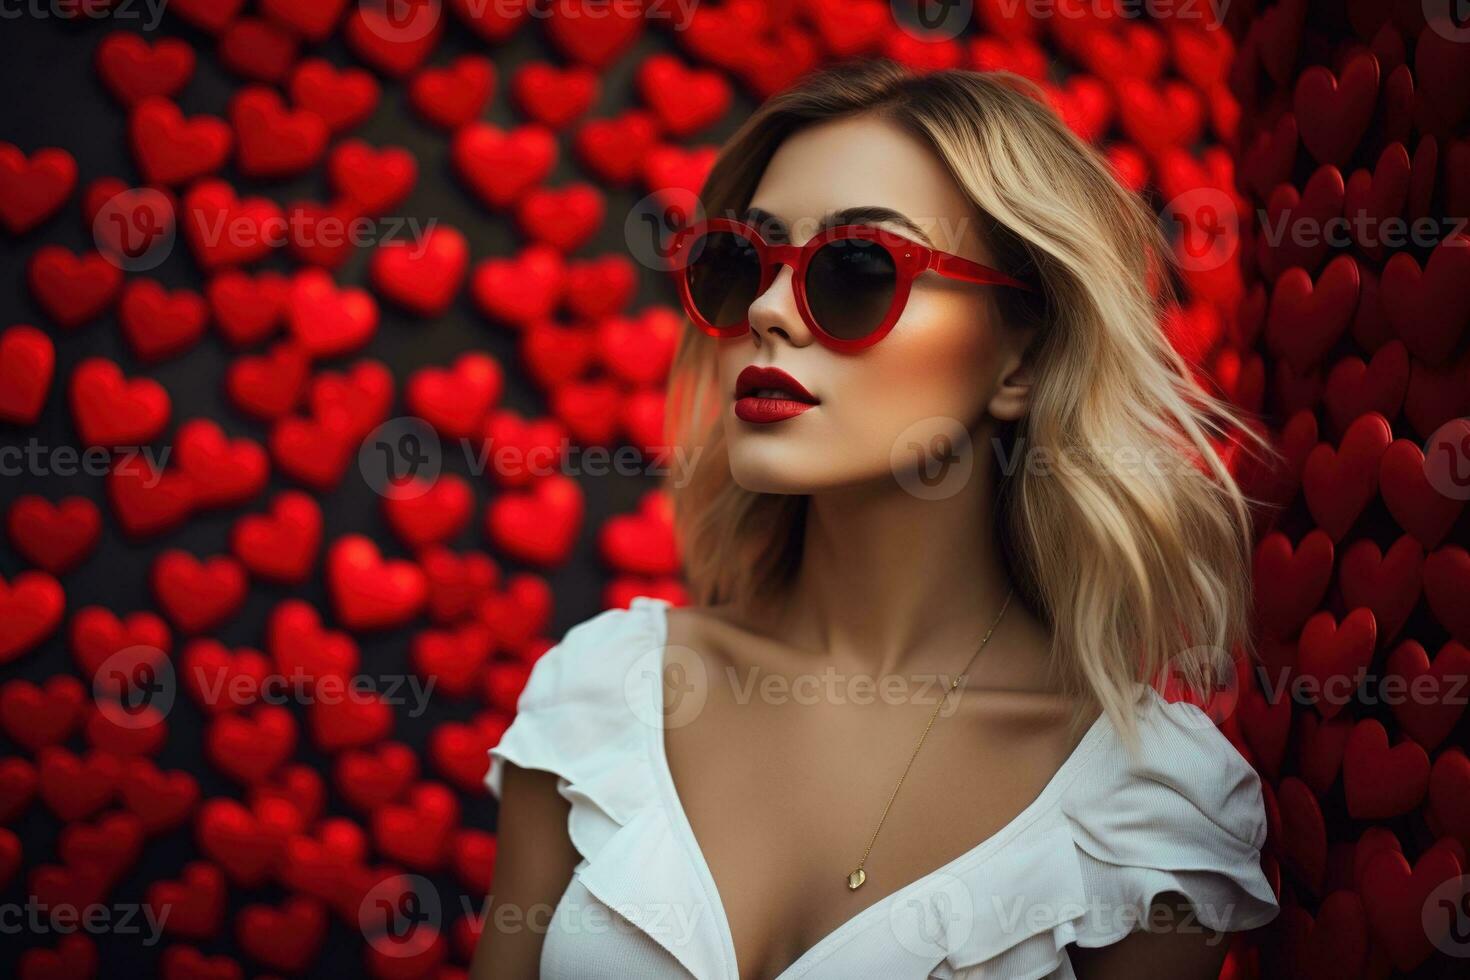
(870, 214)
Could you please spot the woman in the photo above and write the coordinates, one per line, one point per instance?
(957, 512)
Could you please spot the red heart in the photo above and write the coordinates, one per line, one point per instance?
(173, 150)
(314, 451)
(133, 69)
(1304, 834)
(272, 141)
(1449, 795)
(642, 543)
(554, 96)
(1389, 586)
(1434, 704)
(1395, 897)
(422, 276)
(369, 778)
(288, 938)
(593, 33)
(394, 39)
(416, 832)
(75, 958)
(342, 97)
(224, 472)
(518, 451)
(456, 400)
(433, 516)
(246, 844)
(1159, 117)
(1306, 318)
(554, 355)
(503, 681)
(453, 96)
(1339, 483)
(1430, 310)
(539, 525)
(452, 657)
(1354, 388)
(520, 289)
(350, 719)
(564, 217)
(31, 190)
(72, 289)
(280, 547)
(362, 395)
(457, 583)
(640, 351)
(75, 787)
(600, 287)
(498, 166)
(298, 790)
(472, 855)
(368, 592)
(1419, 507)
(461, 754)
(642, 423)
(1320, 748)
(1293, 227)
(162, 800)
(1443, 79)
(97, 634)
(328, 321)
(195, 902)
(676, 174)
(147, 501)
(248, 746)
(685, 100)
(1290, 583)
(1334, 111)
(34, 717)
(198, 595)
(372, 180)
(257, 49)
(271, 385)
(110, 410)
(301, 648)
(27, 363)
(247, 309)
(56, 537)
(220, 680)
(1381, 782)
(1446, 583)
(589, 409)
(312, 19)
(519, 612)
(1333, 655)
(1334, 945)
(110, 846)
(223, 230)
(158, 323)
(18, 782)
(187, 963)
(30, 610)
(1374, 200)
(1266, 727)
(614, 149)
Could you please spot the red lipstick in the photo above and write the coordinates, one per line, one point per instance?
(768, 394)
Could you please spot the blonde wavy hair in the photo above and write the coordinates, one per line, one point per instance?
(1139, 574)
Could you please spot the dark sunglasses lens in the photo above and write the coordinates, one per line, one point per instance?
(724, 277)
(849, 286)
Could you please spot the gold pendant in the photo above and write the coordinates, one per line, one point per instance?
(856, 879)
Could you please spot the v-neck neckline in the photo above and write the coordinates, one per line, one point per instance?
(658, 610)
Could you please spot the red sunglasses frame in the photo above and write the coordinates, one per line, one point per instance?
(910, 258)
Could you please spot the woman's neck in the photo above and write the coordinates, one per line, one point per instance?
(889, 581)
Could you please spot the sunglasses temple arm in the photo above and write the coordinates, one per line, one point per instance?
(955, 267)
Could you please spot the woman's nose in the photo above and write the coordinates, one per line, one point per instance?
(774, 313)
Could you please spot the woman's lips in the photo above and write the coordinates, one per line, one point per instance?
(767, 394)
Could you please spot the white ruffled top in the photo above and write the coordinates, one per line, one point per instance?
(1081, 864)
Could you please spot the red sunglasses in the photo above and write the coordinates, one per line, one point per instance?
(851, 281)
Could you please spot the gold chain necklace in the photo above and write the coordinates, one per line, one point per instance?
(858, 876)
